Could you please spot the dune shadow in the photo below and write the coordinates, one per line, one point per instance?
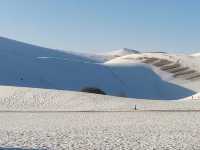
(141, 82)
(136, 81)
(25, 65)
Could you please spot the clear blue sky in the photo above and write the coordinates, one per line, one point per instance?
(101, 25)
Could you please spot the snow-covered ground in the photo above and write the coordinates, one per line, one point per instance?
(52, 119)
(101, 130)
(31, 99)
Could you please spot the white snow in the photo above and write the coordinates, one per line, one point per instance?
(122, 52)
(33, 99)
(50, 119)
(196, 54)
(193, 97)
(185, 60)
(122, 130)
(33, 115)
(25, 65)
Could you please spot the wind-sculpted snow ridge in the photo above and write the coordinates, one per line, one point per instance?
(193, 97)
(179, 69)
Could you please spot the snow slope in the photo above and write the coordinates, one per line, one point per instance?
(23, 50)
(196, 55)
(25, 65)
(140, 81)
(189, 63)
(193, 97)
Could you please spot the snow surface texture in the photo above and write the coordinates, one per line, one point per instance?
(102, 130)
(25, 65)
(32, 118)
(31, 99)
(54, 120)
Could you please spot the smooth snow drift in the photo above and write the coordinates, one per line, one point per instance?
(25, 65)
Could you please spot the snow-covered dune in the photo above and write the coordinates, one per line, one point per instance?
(25, 65)
(140, 81)
(179, 69)
(193, 97)
(22, 50)
(196, 55)
(32, 66)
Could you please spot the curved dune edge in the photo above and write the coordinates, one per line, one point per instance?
(124, 72)
(32, 99)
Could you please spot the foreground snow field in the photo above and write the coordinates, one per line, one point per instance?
(101, 130)
(51, 119)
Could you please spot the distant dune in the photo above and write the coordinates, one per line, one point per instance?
(124, 72)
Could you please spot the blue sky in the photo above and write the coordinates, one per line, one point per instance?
(102, 25)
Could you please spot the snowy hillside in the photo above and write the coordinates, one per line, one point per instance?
(124, 72)
(24, 50)
(196, 55)
(182, 70)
